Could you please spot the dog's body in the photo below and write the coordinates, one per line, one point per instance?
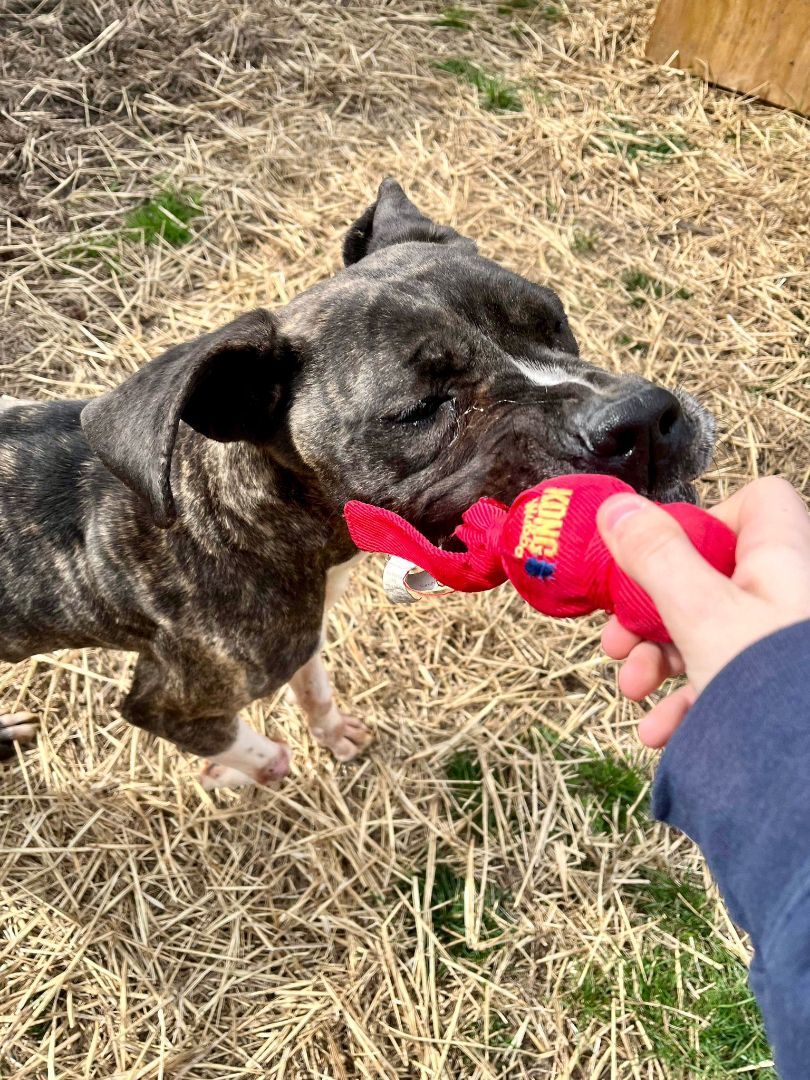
(194, 513)
(223, 607)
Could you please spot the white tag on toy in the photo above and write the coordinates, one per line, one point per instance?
(405, 582)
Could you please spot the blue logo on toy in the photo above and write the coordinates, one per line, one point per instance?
(539, 568)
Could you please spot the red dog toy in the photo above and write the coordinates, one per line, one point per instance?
(547, 544)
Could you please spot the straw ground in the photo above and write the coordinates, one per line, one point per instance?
(483, 895)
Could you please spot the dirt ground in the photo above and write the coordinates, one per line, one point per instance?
(484, 894)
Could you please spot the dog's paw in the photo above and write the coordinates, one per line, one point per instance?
(266, 767)
(275, 767)
(346, 738)
(214, 776)
(17, 727)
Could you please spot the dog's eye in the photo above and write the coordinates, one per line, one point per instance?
(422, 412)
(558, 326)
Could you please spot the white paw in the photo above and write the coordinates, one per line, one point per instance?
(214, 776)
(17, 727)
(345, 736)
(258, 760)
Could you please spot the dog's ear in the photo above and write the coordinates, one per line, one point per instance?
(227, 385)
(393, 219)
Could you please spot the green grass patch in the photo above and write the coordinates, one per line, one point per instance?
(593, 995)
(606, 783)
(655, 146)
(609, 787)
(710, 1031)
(584, 242)
(466, 782)
(447, 904)
(693, 1003)
(166, 217)
(722, 1032)
(640, 348)
(680, 907)
(731, 136)
(701, 1019)
(455, 18)
(543, 739)
(494, 93)
(98, 248)
(642, 288)
(464, 772)
(734, 1036)
(636, 281)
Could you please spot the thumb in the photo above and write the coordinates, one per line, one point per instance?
(651, 547)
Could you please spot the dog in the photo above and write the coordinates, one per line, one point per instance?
(194, 514)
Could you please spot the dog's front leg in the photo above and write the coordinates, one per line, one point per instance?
(191, 709)
(312, 691)
(342, 734)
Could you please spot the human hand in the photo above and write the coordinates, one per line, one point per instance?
(710, 618)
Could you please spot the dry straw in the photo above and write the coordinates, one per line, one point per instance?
(454, 904)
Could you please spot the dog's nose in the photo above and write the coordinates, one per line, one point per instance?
(637, 435)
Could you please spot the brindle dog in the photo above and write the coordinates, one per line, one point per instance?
(193, 514)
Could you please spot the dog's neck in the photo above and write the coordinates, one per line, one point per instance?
(239, 496)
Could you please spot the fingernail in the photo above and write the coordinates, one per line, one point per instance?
(619, 507)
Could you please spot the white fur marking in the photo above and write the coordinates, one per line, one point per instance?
(254, 754)
(9, 402)
(549, 376)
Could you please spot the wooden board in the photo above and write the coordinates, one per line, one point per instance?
(759, 47)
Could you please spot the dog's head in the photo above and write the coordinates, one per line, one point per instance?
(421, 377)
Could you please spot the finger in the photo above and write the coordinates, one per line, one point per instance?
(773, 543)
(648, 666)
(661, 722)
(617, 641)
(765, 511)
(652, 548)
